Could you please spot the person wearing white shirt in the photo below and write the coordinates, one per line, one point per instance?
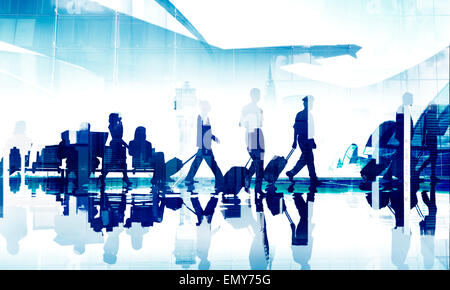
(251, 120)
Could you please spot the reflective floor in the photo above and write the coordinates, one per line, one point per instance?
(192, 228)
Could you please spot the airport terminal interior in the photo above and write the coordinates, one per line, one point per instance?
(324, 127)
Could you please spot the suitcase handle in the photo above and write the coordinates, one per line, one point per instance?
(288, 217)
(247, 162)
(290, 153)
(188, 160)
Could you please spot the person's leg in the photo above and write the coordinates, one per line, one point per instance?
(298, 166)
(160, 167)
(424, 164)
(198, 209)
(433, 160)
(119, 158)
(259, 168)
(309, 156)
(396, 200)
(125, 174)
(215, 169)
(194, 166)
(251, 171)
(259, 175)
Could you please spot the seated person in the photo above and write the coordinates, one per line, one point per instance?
(144, 157)
(68, 152)
(85, 136)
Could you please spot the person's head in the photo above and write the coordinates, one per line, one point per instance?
(79, 249)
(12, 247)
(255, 94)
(306, 266)
(114, 117)
(85, 126)
(140, 133)
(136, 242)
(65, 137)
(204, 264)
(407, 99)
(20, 127)
(109, 258)
(205, 107)
(308, 102)
(432, 108)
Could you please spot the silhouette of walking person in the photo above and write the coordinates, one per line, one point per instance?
(118, 146)
(304, 136)
(204, 140)
(251, 120)
(429, 139)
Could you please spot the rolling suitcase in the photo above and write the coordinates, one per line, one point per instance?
(275, 167)
(234, 179)
(174, 165)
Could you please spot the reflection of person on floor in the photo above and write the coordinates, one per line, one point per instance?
(111, 246)
(143, 155)
(72, 229)
(204, 140)
(400, 247)
(204, 232)
(112, 216)
(302, 239)
(259, 256)
(13, 226)
(428, 227)
(304, 136)
(251, 120)
(118, 146)
(137, 232)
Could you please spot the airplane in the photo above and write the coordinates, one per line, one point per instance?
(151, 53)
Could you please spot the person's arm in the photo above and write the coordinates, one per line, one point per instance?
(199, 132)
(213, 137)
(424, 131)
(296, 133)
(150, 150)
(294, 145)
(241, 121)
(131, 148)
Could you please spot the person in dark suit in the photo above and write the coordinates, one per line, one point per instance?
(304, 136)
(429, 139)
(251, 120)
(204, 140)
